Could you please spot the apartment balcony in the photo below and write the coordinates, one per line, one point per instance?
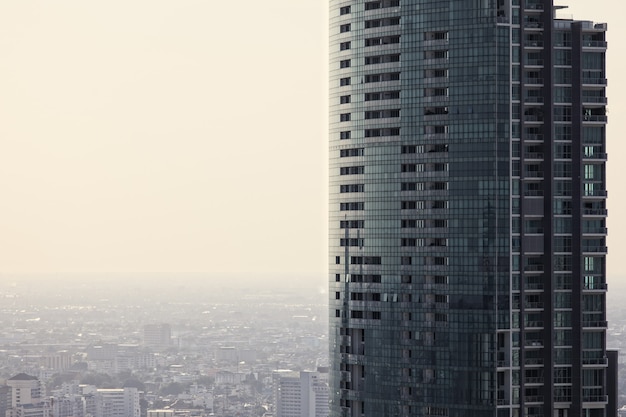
(533, 44)
(595, 212)
(533, 25)
(595, 44)
(595, 118)
(596, 231)
(536, 344)
(595, 193)
(533, 100)
(533, 362)
(595, 324)
(595, 398)
(594, 100)
(533, 380)
(595, 286)
(533, 305)
(594, 81)
(533, 137)
(600, 156)
(533, 82)
(533, 155)
(533, 7)
(435, 42)
(595, 249)
(533, 399)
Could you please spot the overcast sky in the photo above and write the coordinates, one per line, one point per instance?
(187, 135)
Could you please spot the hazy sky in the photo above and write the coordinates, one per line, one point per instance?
(187, 135)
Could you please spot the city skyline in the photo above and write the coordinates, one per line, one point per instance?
(119, 152)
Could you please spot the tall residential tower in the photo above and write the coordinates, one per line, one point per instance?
(467, 210)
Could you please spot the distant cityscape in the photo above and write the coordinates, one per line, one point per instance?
(113, 349)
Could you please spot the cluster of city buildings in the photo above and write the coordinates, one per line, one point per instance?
(25, 396)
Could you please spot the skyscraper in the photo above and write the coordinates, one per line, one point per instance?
(467, 210)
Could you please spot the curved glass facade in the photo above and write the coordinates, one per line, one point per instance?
(444, 131)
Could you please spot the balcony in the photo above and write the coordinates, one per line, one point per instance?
(595, 118)
(596, 231)
(595, 323)
(594, 44)
(597, 286)
(596, 361)
(594, 81)
(595, 193)
(595, 249)
(531, 7)
(533, 25)
(595, 212)
(596, 155)
(533, 81)
(533, 344)
(595, 398)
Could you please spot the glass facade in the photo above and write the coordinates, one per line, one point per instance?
(467, 210)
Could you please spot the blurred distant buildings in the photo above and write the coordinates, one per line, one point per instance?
(157, 336)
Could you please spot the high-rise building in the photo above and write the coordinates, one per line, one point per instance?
(467, 210)
(303, 394)
(120, 402)
(27, 397)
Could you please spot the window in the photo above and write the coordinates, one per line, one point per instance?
(351, 152)
(352, 242)
(344, 99)
(435, 130)
(430, 111)
(380, 114)
(344, 81)
(367, 278)
(352, 224)
(436, 92)
(337, 260)
(344, 63)
(337, 277)
(344, 10)
(344, 135)
(376, 23)
(344, 28)
(437, 54)
(436, 36)
(411, 242)
(344, 117)
(352, 206)
(376, 78)
(382, 40)
(385, 95)
(405, 260)
(390, 131)
(352, 188)
(352, 170)
(382, 59)
(372, 5)
(343, 46)
(365, 260)
(356, 314)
